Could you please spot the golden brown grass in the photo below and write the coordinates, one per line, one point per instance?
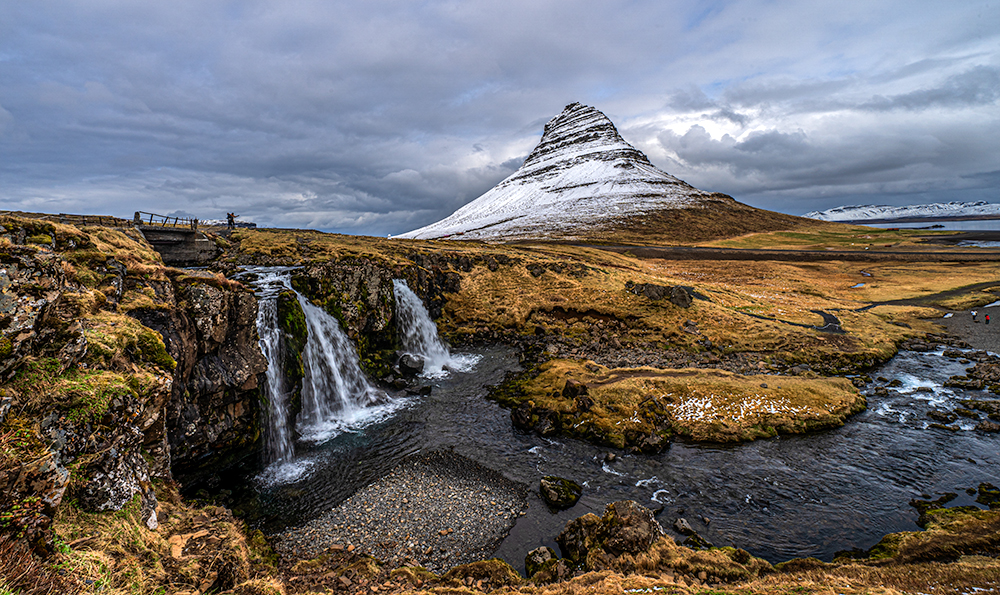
(703, 404)
(822, 235)
(192, 550)
(579, 293)
(21, 573)
(724, 218)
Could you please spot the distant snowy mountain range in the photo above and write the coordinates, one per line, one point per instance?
(884, 212)
(581, 174)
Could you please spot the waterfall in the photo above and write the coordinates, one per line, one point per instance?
(419, 336)
(336, 394)
(278, 445)
(337, 397)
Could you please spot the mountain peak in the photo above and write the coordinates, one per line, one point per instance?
(579, 127)
(582, 180)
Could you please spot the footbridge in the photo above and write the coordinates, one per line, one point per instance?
(177, 239)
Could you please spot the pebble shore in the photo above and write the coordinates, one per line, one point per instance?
(975, 332)
(435, 510)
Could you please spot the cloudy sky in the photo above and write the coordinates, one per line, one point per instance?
(380, 116)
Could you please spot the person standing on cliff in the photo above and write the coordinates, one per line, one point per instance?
(231, 220)
(974, 316)
(987, 319)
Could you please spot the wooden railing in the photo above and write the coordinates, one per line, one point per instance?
(154, 220)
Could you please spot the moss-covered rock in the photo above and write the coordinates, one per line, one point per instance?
(989, 495)
(358, 293)
(295, 334)
(494, 571)
(626, 528)
(538, 558)
(558, 492)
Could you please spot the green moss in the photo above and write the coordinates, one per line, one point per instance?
(292, 322)
(42, 239)
(989, 495)
(153, 350)
(6, 346)
(888, 547)
(93, 394)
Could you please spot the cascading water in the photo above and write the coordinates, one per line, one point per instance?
(336, 395)
(419, 336)
(278, 446)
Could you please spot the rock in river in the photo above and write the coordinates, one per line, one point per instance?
(558, 492)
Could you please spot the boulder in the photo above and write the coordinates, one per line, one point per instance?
(558, 492)
(411, 365)
(574, 388)
(579, 536)
(989, 495)
(625, 528)
(548, 422)
(945, 417)
(680, 297)
(583, 403)
(683, 527)
(988, 426)
(631, 528)
(537, 558)
(521, 417)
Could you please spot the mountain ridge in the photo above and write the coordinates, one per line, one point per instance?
(979, 208)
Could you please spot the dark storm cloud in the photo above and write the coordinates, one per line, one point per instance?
(381, 117)
(978, 86)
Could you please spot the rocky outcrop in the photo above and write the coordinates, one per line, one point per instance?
(679, 296)
(213, 416)
(294, 334)
(592, 542)
(116, 368)
(358, 293)
(33, 288)
(81, 396)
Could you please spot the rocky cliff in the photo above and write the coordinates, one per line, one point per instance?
(213, 416)
(114, 371)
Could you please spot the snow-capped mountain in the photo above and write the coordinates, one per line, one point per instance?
(581, 175)
(979, 208)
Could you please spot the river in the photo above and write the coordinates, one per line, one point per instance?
(779, 498)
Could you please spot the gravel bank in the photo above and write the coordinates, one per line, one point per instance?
(435, 510)
(978, 334)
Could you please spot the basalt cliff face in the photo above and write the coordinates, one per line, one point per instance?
(114, 371)
(584, 181)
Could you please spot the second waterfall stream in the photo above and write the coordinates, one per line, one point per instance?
(419, 336)
(337, 397)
